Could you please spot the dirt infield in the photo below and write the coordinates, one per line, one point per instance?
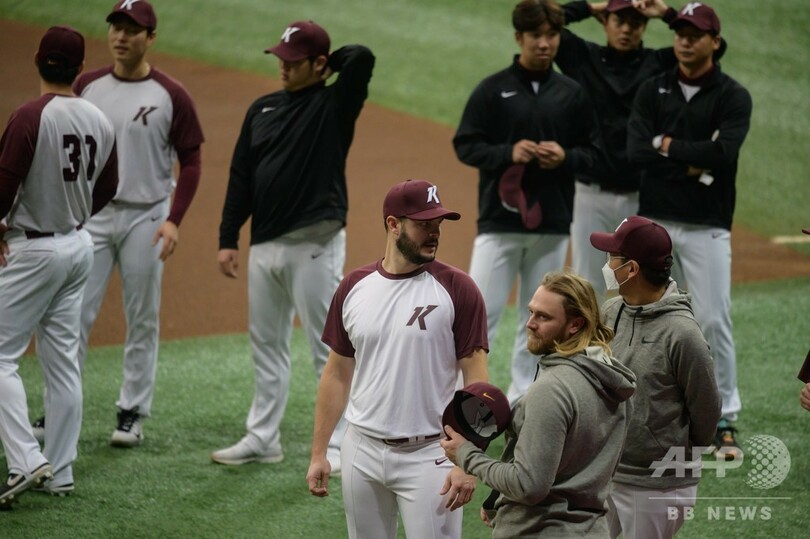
(388, 147)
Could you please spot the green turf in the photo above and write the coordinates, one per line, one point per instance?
(432, 53)
(169, 488)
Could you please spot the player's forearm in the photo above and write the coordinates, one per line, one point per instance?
(187, 183)
(333, 394)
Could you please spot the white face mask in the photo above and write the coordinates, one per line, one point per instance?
(611, 283)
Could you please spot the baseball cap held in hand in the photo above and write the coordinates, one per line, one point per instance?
(300, 40)
(61, 46)
(138, 11)
(515, 196)
(698, 15)
(480, 412)
(417, 200)
(639, 239)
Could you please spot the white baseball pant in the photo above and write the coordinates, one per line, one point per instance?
(703, 266)
(496, 259)
(643, 513)
(596, 211)
(380, 481)
(41, 291)
(286, 277)
(122, 234)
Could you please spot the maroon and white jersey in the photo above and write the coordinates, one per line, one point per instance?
(406, 333)
(154, 118)
(53, 152)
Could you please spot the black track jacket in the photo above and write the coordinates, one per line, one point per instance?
(504, 109)
(611, 81)
(722, 105)
(288, 167)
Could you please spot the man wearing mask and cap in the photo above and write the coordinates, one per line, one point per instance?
(288, 174)
(57, 168)
(156, 124)
(685, 133)
(677, 404)
(567, 432)
(401, 330)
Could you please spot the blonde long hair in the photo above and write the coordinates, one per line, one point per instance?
(579, 301)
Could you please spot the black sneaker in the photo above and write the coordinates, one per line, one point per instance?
(16, 484)
(129, 432)
(38, 427)
(725, 443)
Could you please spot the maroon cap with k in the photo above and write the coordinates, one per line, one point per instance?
(300, 40)
(639, 239)
(698, 15)
(417, 200)
(61, 46)
(480, 412)
(138, 11)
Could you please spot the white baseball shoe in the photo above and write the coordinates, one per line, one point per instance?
(242, 453)
(129, 432)
(48, 487)
(17, 483)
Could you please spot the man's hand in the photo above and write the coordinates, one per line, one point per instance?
(804, 397)
(318, 476)
(485, 518)
(451, 446)
(652, 9)
(3, 245)
(524, 151)
(168, 231)
(460, 488)
(550, 154)
(228, 262)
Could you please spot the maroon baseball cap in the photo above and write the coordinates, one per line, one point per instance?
(139, 11)
(302, 39)
(698, 15)
(806, 230)
(617, 5)
(515, 197)
(417, 200)
(480, 412)
(61, 46)
(639, 239)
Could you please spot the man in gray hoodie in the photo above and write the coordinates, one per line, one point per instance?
(677, 404)
(567, 431)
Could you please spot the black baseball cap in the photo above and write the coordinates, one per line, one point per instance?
(480, 412)
(61, 46)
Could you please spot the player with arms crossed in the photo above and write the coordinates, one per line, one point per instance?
(400, 331)
(57, 167)
(155, 123)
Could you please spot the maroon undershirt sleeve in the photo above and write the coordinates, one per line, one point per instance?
(187, 182)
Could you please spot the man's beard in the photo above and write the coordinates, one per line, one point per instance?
(410, 250)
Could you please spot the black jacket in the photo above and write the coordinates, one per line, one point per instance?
(504, 109)
(722, 105)
(288, 167)
(611, 81)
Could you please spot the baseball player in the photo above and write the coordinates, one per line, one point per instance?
(567, 433)
(400, 332)
(530, 119)
(607, 192)
(155, 123)
(57, 167)
(288, 174)
(685, 133)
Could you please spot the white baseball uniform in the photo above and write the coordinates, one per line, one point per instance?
(406, 334)
(154, 120)
(57, 166)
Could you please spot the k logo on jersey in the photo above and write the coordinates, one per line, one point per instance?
(419, 315)
(143, 112)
